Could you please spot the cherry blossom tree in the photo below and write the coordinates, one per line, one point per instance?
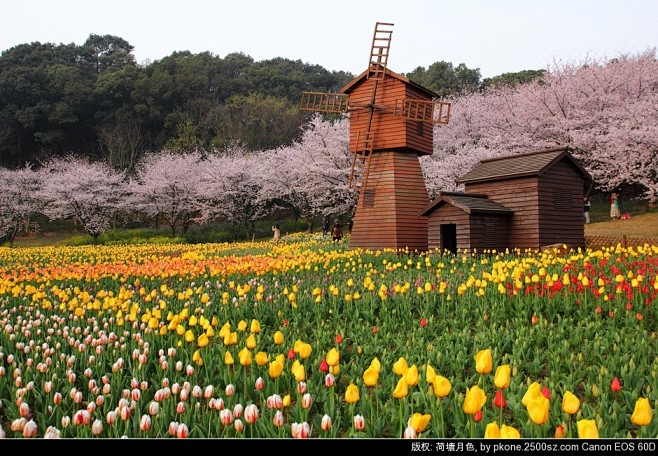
(606, 111)
(18, 200)
(312, 174)
(89, 191)
(166, 185)
(231, 189)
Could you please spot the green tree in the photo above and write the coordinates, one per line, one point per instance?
(512, 79)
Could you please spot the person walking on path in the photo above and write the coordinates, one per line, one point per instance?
(587, 205)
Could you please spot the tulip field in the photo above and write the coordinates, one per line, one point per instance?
(309, 339)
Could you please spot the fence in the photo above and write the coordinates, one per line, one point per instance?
(595, 242)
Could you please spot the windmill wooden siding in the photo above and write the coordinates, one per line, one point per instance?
(392, 132)
(544, 191)
(388, 209)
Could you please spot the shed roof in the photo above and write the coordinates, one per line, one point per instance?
(520, 165)
(347, 88)
(470, 203)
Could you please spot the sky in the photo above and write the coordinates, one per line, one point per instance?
(494, 36)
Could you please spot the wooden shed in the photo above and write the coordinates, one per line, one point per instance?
(543, 192)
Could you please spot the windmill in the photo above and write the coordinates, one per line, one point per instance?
(391, 125)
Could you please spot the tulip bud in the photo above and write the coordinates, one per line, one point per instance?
(278, 418)
(97, 427)
(225, 417)
(325, 424)
(239, 425)
(237, 410)
(409, 433)
(306, 400)
(230, 390)
(359, 422)
(329, 380)
(182, 431)
(29, 429)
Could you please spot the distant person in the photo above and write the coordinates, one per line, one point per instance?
(325, 227)
(587, 205)
(337, 231)
(277, 232)
(350, 225)
(615, 212)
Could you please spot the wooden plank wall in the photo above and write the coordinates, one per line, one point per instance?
(561, 221)
(399, 196)
(481, 238)
(445, 214)
(521, 196)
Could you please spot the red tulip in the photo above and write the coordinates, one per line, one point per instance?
(324, 366)
(499, 400)
(478, 416)
(423, 322)
(615, 386)
(375, 329)
(339, 338)
(546, 392)
(291, 354)
(535, 319)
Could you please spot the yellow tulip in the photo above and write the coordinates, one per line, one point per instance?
(411, 376)
(534, 390)
(502, 376)
(642, 414)
(251, 342)
(370, 376)
(492, 431)
(400, 366)
(202, 340)
(587, 429)
(483, 361)
(474, 400)
(286, 400)
(255, 327)
(305, 350)
(508, 432)
(242, 325)
(375, 364)
(419, 421)
(228, 358)
(351, 394)
(442, 386)
(276, 367)
(261, 358)
(538, 409)
(298, 371)
(189, 335)
(245, 357)
(570, 403)
(430, 374)
(333, 357)
(278, 337)
(401, 389)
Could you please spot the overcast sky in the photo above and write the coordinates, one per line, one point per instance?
(496, 36)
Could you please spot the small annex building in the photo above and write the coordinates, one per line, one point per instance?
(524, 201)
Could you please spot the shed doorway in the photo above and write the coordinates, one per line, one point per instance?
(449, 237)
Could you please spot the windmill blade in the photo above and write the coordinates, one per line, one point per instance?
(324, 102)
(436, 112)
(381, 43)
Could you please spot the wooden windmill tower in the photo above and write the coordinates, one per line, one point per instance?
(391, 120)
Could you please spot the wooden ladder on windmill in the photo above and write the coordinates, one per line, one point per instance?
(381, 44)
